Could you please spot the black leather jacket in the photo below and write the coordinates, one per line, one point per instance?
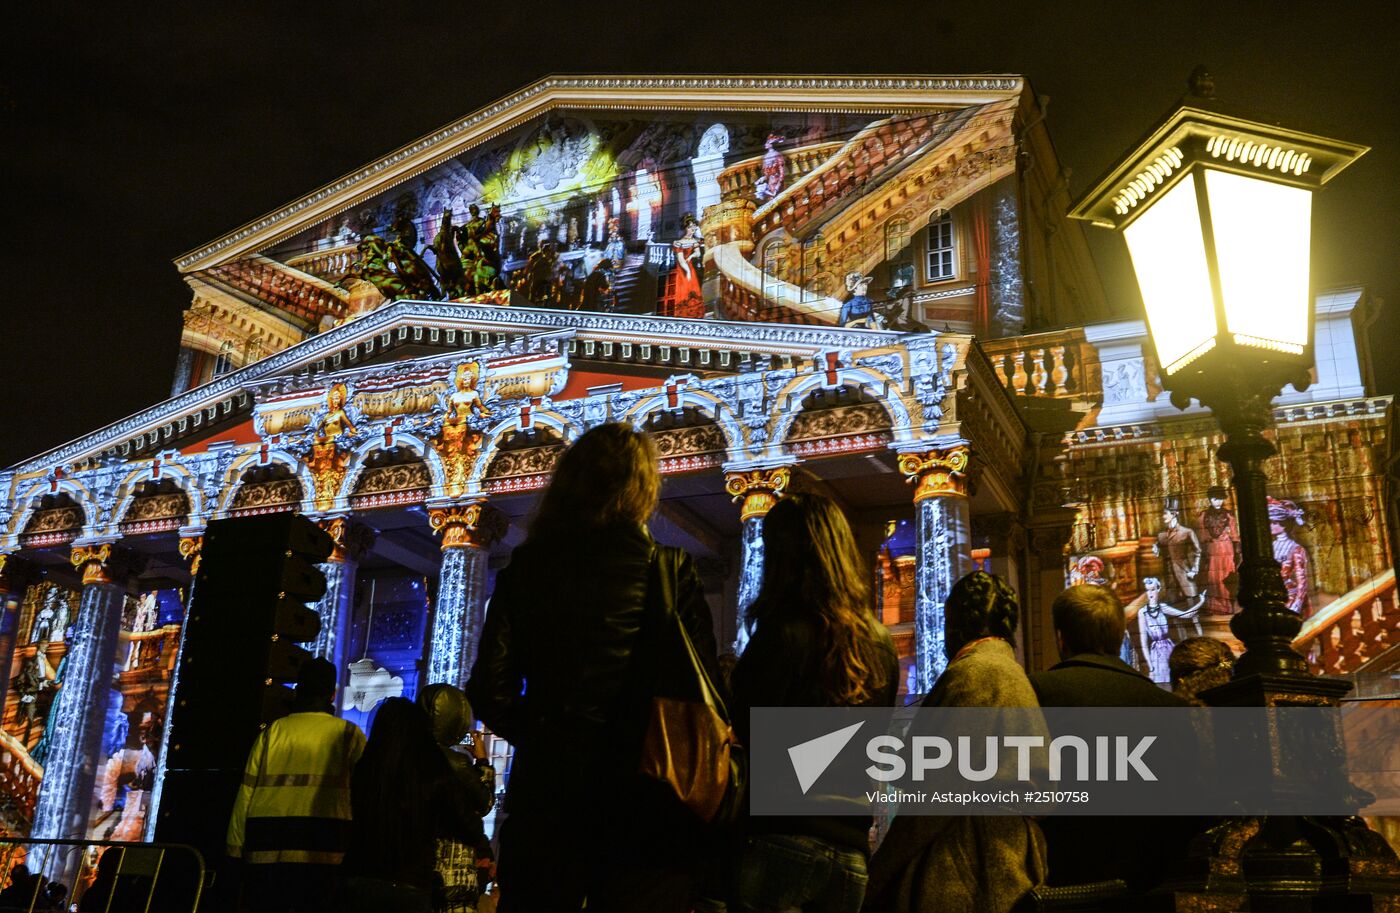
(556, 674)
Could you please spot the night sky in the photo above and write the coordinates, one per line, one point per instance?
(134, 132)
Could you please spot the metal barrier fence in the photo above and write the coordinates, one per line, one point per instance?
(101, 876)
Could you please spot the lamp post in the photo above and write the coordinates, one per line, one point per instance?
(1216, 212)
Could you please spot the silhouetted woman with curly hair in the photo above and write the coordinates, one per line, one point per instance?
(966, 864)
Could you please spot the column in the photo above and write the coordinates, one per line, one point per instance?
(1048, 535)
(468, 532)
(1006, 539)
(80, 709)
(191, 548)
(352, 540)
(944, 549)
(756, 491)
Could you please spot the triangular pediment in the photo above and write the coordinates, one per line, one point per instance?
(746, 99)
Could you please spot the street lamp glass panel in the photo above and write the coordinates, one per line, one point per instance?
(1261, 248)
(1169, 257)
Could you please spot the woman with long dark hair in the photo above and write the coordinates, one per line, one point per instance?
(560, 675)
(403, 796)
(815, 643)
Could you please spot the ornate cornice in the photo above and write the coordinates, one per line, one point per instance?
(378, 327)
(1203, 422)
(719, 93)
(766, 338)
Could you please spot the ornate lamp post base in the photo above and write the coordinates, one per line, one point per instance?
(1280, 862)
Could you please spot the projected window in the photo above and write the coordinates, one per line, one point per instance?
(223, 362)
(896, 238)
(775, 271)
(939, 263)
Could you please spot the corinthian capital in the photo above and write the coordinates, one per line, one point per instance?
(757, 490)
(941, 472)
(474, 525)
(104, 563)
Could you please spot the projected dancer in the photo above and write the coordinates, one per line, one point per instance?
(1161, 627)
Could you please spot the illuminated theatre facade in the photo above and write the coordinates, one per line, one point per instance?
(861, 286)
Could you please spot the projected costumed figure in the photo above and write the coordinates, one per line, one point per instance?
(40, 751)
(1090, 570)
(858, 310)
(465, 401)
(563, 294)
(774, 169)
(1220, 535)
(374, 266)
(1180, 551)
(488, 253)
(597, 289)
(418, 277)
(448, 258)
(336, 422)
(537, 278)
(1291, 554)
(45, 620)
(1161, 627)
(616, 250)
(469, 243)
(126, 783)
(29, 684)
(689, 250)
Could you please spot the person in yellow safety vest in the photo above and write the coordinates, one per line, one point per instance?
(291, 820)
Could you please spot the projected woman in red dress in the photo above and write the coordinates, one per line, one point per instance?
(689, 249)
(1220, 540)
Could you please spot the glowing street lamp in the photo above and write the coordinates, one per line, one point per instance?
(1216, 210)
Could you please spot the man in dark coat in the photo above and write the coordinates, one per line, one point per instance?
(1090, 672)
(1089, 625)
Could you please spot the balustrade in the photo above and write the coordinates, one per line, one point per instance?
(332, 264)
(149, 650)
(1047, 365)
(1356, 627)
(19, 775)
(743, 176)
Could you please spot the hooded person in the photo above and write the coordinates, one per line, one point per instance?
(464, 851)
(450, 715)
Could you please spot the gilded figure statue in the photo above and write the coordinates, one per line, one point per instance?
(465, 400)
(336, 422)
